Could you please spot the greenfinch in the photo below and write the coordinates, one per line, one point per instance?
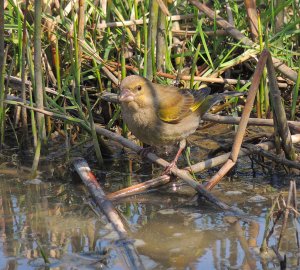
(162, 115)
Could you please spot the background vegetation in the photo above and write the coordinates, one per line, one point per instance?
(58, 58)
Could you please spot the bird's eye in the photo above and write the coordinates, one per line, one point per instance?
(139, 87)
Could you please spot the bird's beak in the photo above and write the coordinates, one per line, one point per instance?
(126, 95)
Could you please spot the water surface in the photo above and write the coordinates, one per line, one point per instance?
(171, 228)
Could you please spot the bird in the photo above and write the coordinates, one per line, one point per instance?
(160, 115)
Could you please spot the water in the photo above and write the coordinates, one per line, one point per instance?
(172, 229)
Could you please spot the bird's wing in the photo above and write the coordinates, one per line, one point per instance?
(199, 97)
(174, 104)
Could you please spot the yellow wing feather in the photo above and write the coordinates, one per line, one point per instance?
(174, 104)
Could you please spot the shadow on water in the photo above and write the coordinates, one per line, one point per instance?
(172, 229)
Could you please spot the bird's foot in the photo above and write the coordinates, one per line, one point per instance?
(145, 151)
(173, 165)
(168, 169)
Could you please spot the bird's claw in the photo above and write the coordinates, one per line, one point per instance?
(168, 169)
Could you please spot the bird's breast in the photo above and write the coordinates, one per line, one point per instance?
(150, 129)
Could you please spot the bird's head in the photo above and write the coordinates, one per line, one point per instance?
(135, 89)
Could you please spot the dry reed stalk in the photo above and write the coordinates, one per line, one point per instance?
(152, 32)
(210, 79)
(235, 120)
(252, 18)
(140, 21)
(81, 23)
(192, 33)
(279, 112)
(139, 188)
(24, 140)
(2, 72)
(160, 39)
(39, 93)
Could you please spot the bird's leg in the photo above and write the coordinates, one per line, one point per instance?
(182, 145)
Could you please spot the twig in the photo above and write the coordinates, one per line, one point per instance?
(163, 7)
(89, 179)
(202, 79)
(16, 82)
(191, 33)
(46, 112)
(139, 188)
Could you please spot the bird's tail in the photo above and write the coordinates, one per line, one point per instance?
(212, 100)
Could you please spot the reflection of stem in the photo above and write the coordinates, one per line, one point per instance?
(264, 245)
(243, 242)
(278, 216)
(222, 248)
(282, 260)
(286, 214)
(233, 252)
(283, 208)
(294, 212)
(42, 251)
(253, 233)
(128, 170)
(216, 258)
